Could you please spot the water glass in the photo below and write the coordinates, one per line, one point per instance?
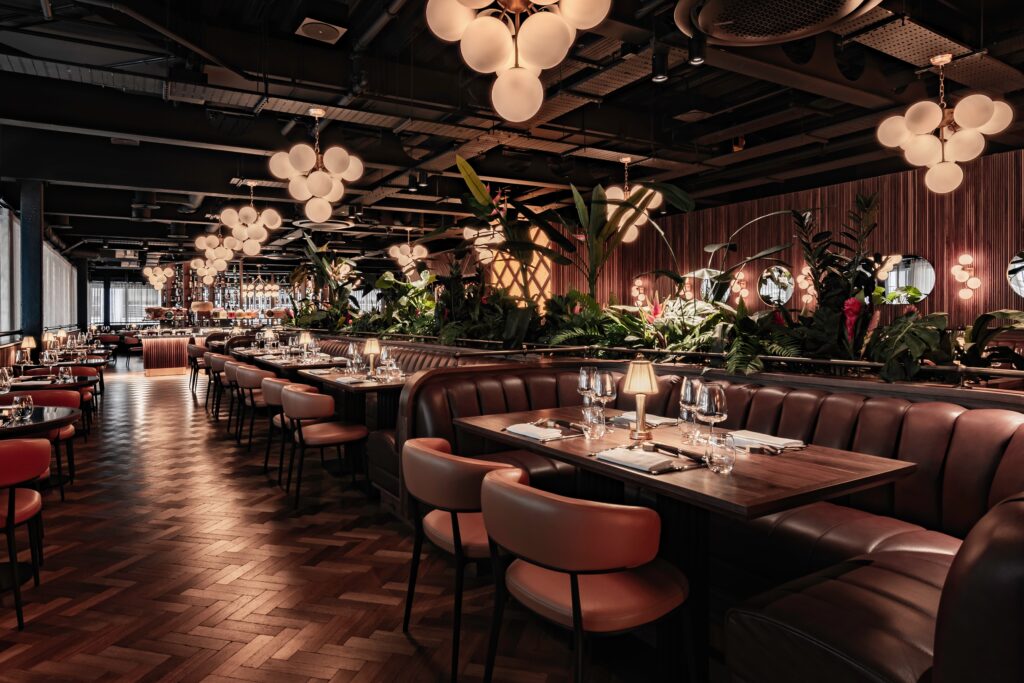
(720, 454)
(688, 427)
(22, 408)
(64, 374)
(593, 423)
(711, 408)
(586, 383)
(21, 357)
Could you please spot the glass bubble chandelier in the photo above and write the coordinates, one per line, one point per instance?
(616, 194)
(406, 255)
(314, 178)
(249, 227)
(158, 276)
(933, 135)
(514, 39)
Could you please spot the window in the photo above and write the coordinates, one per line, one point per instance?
(10, 282)
(128, 302)
(60, 290)
(95, 303)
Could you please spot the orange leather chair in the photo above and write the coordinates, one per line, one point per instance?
(230, 381)
(88, 394)
(309, 418)
(55, 398)
(216, 364)
(586, 566)
(22, 463)
(272, 388)
(196, 364)
(451, 485)
(250, 389)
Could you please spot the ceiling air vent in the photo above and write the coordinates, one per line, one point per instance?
(756, 22)
(320, 30)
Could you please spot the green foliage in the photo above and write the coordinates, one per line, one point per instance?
(328, 303)
(902, 345)
(403, 307)
(755, 336)
(978, 351)
(468, 308)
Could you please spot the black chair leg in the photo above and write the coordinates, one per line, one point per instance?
(285, 434)
(417, 548)
(252, 421)
(298, 473)
(12, 554)
(270, 438)
(70, 449)
(60, 469)
(34, 546)
(460, 571)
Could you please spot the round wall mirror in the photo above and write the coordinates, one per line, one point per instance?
(775, 286)
(1015, 274)
(908, 272)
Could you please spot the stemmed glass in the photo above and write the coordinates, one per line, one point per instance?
(711, 407)
(22, 408)
(586, 383)
(605, 389)
(688, 409)
(64, 374)
(6, 375)
(49, 360)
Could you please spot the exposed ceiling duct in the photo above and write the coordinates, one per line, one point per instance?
(747, 23)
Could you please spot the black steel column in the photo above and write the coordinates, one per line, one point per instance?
(106, 301)
(32, 226)
(82, 292)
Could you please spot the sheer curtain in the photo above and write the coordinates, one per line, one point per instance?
(128, 301)
(60, 293)
(10, 256)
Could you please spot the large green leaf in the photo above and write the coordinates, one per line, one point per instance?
(581, 208)
(473, 182)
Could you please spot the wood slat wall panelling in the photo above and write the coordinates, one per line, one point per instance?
(983, 217)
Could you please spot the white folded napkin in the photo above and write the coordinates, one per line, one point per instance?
(532, 431)
(349, 379)
(652, 420)
(745, 437)
(644, 461)
(320, 371)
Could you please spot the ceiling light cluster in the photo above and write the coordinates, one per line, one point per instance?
(249, 227)
(514, 39)
(616, 194)
(932, 135)
(314, 178)
(158, 276)
(217, 252)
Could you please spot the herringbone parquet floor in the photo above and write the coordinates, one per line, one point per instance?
(175, 559)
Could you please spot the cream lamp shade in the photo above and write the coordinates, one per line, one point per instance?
(28, 343)
(371, 347)
(305, 338)
(640, 378)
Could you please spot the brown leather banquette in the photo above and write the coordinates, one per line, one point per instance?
(430, 401)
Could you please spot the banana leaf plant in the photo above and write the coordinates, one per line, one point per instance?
(978, 352)
(337, 277)
(599, 229)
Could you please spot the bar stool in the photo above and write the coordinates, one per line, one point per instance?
(272, 388)
(250, 383)
(55, 398)
(451, 485)
(586, 566)
(22, 462)
(309, 417)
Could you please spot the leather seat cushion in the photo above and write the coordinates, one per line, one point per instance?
(437, 526)
(63, 434)
(331, 433)
(609, 602)
(545, 473)
(27, 504)
(796, 542)
(870, 618)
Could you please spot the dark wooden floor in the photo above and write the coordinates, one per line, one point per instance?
(175, 559)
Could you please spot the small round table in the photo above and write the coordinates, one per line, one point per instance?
(42, 420)
(44, 384)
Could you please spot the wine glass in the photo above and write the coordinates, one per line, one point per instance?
(64, 374)
(5, 380)
(688, 409)
(21, 357)
(22, 408)
(606, 389)
(48, 359)
(711, 407)
(586, 383)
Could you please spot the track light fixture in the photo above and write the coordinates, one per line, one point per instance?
(659, 67)
(698, 49)
(422, 179)
(412, 185)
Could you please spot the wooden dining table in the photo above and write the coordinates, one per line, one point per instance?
(42, 421)
(354, 394)
(757, 486)
(42, 383)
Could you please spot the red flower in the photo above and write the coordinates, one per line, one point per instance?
(851, 310)
(779, 320)
(910, 308)
(577, 309)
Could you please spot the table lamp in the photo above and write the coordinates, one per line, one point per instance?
(47, 339)
(304, 340)
(640, 380)
(372, 349)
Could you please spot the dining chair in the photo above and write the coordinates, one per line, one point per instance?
(449, 484)
(216, 365)
(55, 398)
(88, 393)
(250, 387)
(22, 463)
(310, 421)
(230, 380)
(585, 566)
(276, 420)
(131, 345)
(196, 365)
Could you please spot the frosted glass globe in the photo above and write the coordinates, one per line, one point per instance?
(632, 232)
(974, 111)
(448, 19)
(480, 4)
(222, 253)
(281, 167)
(212, 241)
(258, 233)
(196, 263)
(302, 157)
(420, 252)
(209, 254)
(201, 242)
(239, 232)
(337, 191)
(656, 200)
(207, 279)
(250, 247)
(974, 283)
(319, 183)
(893, 131)
(248, 215)
(517, 95)
(220, 264)
(229, 217)
(1002, 114)
(965, 259)
(923, 117)
(486, 44)
(923, 150)
(298, 189)
(168, 272)
(318, 210)
(965, 145)
(572, 29)
(584, 14)
(354, 171)
(965, 294)
(944, 177)
(147, 271)
(393, 251)
(272, 219)
(544, 40)
(336, 160)
(231, 243)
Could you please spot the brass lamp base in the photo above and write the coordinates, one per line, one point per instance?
(637, 434)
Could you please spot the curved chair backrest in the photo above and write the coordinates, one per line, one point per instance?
(84, 371)
(303, 405)
(231, 370)
(272, 388)
(196, 351)
(442, 480)
(39, 372)
(980, 625)
(22, 460)
(565, 533)
(217, 361)
(250, 377)
(47, 398)
(131, 341)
